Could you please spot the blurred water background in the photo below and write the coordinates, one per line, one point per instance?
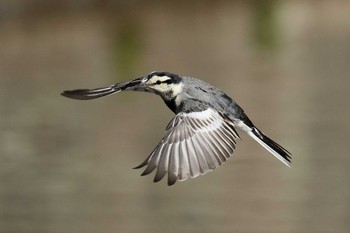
(65, 165)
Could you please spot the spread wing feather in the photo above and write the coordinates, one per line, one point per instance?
(194, 144)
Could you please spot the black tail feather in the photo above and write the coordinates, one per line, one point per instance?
(274, 145)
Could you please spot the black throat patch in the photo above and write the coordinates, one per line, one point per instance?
(172, 105)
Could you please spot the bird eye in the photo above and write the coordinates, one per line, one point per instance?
(158, 82)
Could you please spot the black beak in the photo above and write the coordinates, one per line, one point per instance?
(87, 94)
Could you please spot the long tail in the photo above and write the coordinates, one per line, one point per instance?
(271, 146)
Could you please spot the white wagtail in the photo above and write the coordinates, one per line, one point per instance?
(201, 136)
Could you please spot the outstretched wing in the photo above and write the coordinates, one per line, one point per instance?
(194, 144)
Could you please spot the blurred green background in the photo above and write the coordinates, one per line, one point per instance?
(65, 165)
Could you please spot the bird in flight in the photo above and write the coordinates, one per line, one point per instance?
(202, 134)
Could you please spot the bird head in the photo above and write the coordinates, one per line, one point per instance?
(165, 84)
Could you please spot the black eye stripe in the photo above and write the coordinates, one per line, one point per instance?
(158, 82)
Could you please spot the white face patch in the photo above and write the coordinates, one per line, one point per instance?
(154, 79)
(158, 83)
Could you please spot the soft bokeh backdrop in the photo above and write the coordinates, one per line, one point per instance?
(65, 165)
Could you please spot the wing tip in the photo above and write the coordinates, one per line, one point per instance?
(157, 178)
(171, 182)
(68, 93)
(79, 94)
(141, 165)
